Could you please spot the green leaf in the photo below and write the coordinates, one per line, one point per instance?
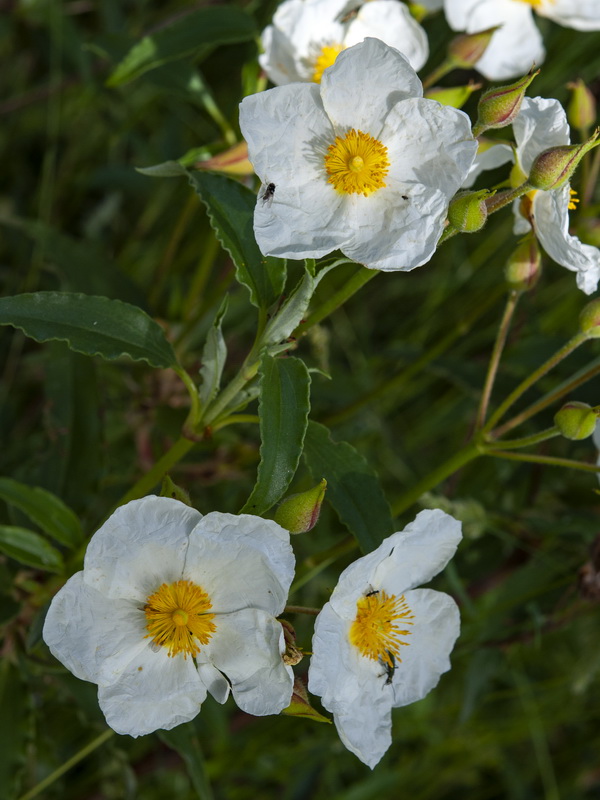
(184, 741)
(194, 33)
(94, 326)
(45, 509)
(291, 313)
(15, 728)
(214, 356)
(29, 548)
(168, 169)
(230, 208)
(353, 488)
(283, 411)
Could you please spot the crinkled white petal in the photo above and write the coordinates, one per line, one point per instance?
(139, 547)
(541, 123)
(551, 223)
(214, 680)
(488, 158)
(404, 560)
(392, 22)
(247, 646)
(93, 636)
(514, 48)
(583, 15)
(435, 629)
(241, 561)
(352, 687)
(277, 59)
(364, 84)
(154, 692)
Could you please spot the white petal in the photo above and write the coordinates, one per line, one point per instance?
(277, 60)
(139, 547)
(434, 631)
(393, 23)
(402, 561)
(488, 158)
(551, 222)
(242, 561)
(541, 123)
(365, 82)
(156, 691)
(94, 637)
(215, 681)
(247, 646)
(583, 15)
(352, 687)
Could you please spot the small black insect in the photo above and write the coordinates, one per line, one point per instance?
(267, 196)
(372, 592)
(390, 669)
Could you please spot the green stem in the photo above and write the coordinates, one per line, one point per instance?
(356, 282)
(527, 441)
(439, 72)
(201, 275)
(158, 471)
(548, 399)
(549, 460)
(564, 351)
(235, 419)
(509, 310)
(501, 199)
(301, 610)
(452, 465)
(195, 405)
(85, 751)
(164, 268)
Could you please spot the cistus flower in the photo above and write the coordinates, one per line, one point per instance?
(379, 642)
(541, 124)
(167, 604)
(307, 35)
(360, 162)
(517, 44)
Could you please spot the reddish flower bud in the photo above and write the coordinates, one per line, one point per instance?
(455, 96)
(466, 50)
(300, 512)
(589, 319)
(555, 166)
(500, 105)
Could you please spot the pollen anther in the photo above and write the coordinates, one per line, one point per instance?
(178, 618)
(357, 163)
(375, 630)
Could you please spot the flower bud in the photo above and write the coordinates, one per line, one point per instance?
(523, 267)
(576, 420)
(468, 212)
(581, 112)
(555, 166)
(589, 319)
(293, 655)
(466, 50)
(455, 96)
(233, 161)
(299, 705)
(170, 489)
(300, 512)
(499, 106)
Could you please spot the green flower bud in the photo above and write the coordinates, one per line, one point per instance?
(300, 512)
(455, 96)
(300, 706)
(170, 489)
(576, 420)
(589, 319)
(499, 106)
(467, 211)
(466, 50)
(581, 112)
(555, 166)
(523, 267)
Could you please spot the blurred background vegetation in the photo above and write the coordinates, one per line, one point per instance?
(518, 716)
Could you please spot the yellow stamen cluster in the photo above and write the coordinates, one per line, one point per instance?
(375, 629)
(325, 58)
(573, 200)
(178, 619)
(357, 164)
(536, 3)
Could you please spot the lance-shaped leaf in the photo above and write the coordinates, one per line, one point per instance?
(214, 356)
(94, 326)
(192, 34)
(29, 548)
(230, 208)
(283, 411)
(291, 313)
(45, 509)
(353, 488)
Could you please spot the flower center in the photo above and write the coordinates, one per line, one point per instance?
(573, 200)
(325, 58)
(535, 3)
(357, 164)
(375, 629)
(178, 619)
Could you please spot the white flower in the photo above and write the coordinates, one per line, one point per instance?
(518, 43)
(489, 156)
(360, 162)
(540, 124)
(307, 35)
(167, 601)
(379, 643)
